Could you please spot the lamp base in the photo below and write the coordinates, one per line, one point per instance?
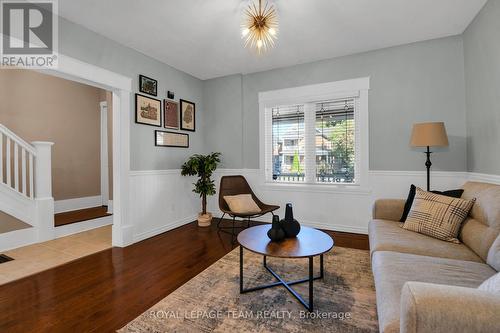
(428, 165)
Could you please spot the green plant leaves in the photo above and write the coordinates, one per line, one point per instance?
(202, 166)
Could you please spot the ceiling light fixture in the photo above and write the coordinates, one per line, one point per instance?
(260, 26)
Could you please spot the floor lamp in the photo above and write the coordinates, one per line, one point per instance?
(429, 135)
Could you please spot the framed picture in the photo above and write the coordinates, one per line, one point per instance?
(171, 139)
(147, 110)
(148, 85)
(170, 114)
(188, 115)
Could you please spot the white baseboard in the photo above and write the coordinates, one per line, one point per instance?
(336, 227)
(17, 238)
(110, 206)
(312, 224)
(73, 228)
(165, 228)
(125, 236)
(68, 205)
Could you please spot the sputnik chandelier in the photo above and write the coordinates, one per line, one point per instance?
(260, 26)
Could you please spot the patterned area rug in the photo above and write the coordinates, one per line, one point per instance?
(210, 302)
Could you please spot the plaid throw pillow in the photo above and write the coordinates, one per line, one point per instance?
(437, 215)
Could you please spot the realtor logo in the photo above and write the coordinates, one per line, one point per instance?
(29, 34)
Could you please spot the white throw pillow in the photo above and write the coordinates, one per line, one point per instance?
(492, 284)
(242, 204)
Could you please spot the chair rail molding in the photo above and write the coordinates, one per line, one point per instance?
(482, 177)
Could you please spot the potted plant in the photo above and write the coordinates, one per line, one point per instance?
(202, 166)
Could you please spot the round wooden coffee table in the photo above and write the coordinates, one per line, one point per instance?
(308, 244)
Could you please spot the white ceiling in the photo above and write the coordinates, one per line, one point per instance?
(202, 37)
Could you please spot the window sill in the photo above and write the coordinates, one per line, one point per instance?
(354, 189)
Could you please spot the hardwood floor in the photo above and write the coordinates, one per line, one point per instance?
(106, 290)
(80, 215)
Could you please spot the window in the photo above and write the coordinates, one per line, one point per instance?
(335, 142)
(288, 143)
(316, 134)
(333, 148)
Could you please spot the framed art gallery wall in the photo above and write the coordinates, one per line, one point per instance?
(171, 115)
(148, 110)
(105, 53)
(187, 115)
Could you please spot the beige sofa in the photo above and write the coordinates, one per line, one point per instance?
(428, 285)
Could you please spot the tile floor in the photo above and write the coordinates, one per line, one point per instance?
(35, 258)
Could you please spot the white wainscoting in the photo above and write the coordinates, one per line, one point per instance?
(340, 209)
(68, 205)
(160, 201)
(163, 200)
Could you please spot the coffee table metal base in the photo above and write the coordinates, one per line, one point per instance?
(308, 305)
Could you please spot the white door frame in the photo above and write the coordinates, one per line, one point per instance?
(103, 106)
(121, 86)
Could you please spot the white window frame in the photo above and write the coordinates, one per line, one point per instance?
(355, 88)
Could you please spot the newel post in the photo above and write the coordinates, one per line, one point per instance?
(43, 190)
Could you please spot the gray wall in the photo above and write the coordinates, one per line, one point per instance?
(418, 82)
(482, 73)
(223, 100)
(80, 43)
(411, 83)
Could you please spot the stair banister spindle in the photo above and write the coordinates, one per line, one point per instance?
(16, 166)
(23, 170)
(7, 162)
(31, 175)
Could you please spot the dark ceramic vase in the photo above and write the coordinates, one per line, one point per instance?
(290, 226)
(276, 233)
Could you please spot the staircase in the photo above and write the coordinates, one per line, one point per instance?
(26, 188)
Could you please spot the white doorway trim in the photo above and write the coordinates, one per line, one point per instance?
(121, 86)
(104, 154)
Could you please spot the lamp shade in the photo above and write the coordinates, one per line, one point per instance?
(429, 134)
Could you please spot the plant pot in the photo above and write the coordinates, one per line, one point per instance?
(204, 220)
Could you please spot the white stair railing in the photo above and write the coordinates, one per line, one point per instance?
(20, 178)
(26, 184)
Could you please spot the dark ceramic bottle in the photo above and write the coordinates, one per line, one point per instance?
(290, 225)
(276, 233)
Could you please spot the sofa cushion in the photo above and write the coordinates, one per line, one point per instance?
(436, 308)
(392, 269)
(482, 229)
(388, 236)
(478, 237)
(437, 215)
(494, 255)
(492, 285)
(487, 207)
